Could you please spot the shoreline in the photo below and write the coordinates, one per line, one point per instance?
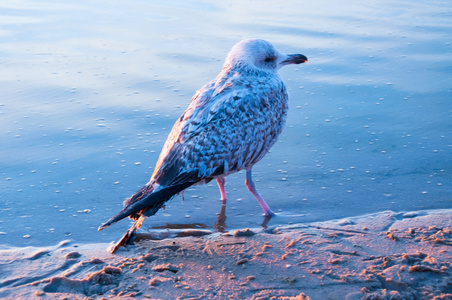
(378, 256)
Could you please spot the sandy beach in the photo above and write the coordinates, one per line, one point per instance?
(387, 255)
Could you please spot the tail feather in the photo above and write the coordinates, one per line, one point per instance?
(146, 203)
(129, 236)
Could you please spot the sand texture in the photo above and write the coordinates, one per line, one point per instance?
(380, 256)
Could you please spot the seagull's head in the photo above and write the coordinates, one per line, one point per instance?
(260, 54)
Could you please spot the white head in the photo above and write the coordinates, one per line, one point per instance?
(260, 54)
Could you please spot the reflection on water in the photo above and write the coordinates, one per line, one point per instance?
(86, 109)
(190, 229)
(185, 229)
(265, 222)
(181, 226)
(220, 222)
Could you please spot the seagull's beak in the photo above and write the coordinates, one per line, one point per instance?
(294, 59)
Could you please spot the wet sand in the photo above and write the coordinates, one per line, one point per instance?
(388, 255)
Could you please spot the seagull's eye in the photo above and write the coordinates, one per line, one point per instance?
(269, 59)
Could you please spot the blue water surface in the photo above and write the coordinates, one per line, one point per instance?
(90, 90)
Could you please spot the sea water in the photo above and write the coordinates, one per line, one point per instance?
(90, 90)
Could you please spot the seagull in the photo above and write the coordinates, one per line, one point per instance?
(229, 125)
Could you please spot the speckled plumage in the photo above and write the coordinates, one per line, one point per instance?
(230, 124)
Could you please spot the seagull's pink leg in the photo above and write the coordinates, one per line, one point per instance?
(252, 188)
(221, 181)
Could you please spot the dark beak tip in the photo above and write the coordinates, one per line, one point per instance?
(296, 59)
(302, 59)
